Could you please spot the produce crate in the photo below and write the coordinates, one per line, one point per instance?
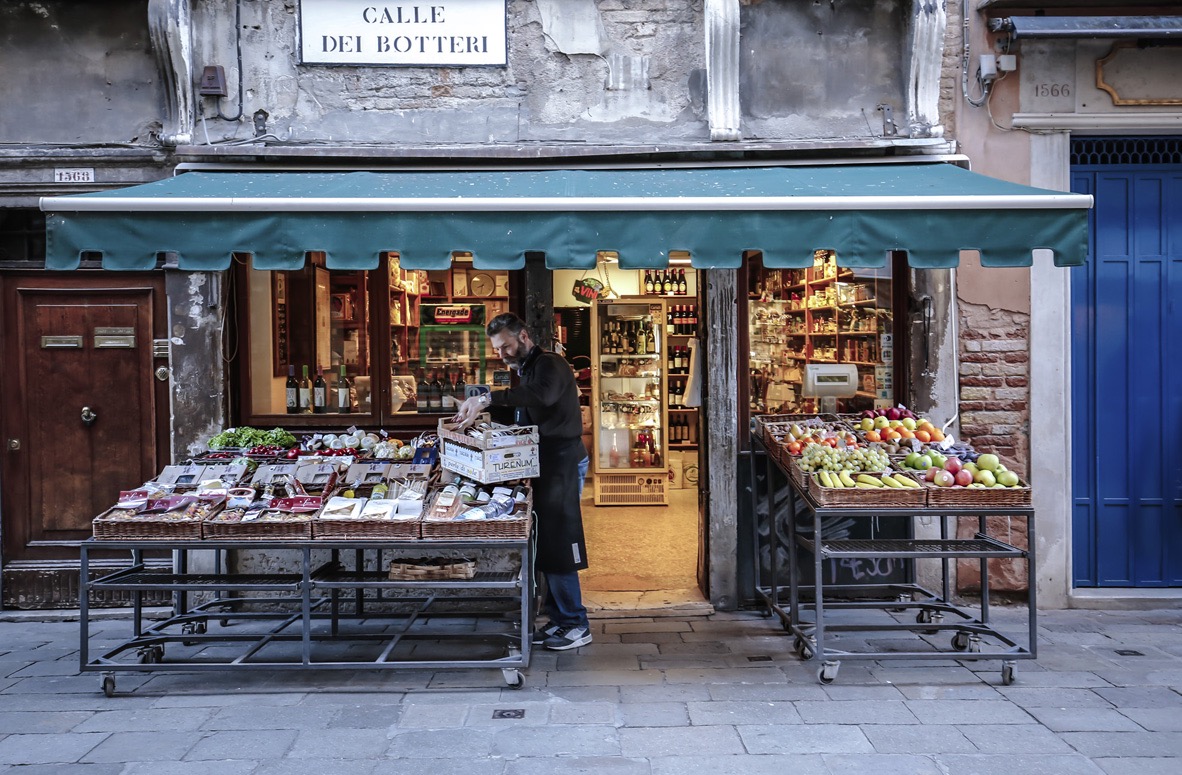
(858, 497)
(512, 527)
(771, 426)
(496, 455)
(176, 517)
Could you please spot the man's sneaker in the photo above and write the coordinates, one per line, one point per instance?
(568, 638)
(541, 634)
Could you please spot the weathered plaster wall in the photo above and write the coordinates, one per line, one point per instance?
(568, 85)
(77, 72)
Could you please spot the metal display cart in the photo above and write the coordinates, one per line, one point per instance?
(973, 637)
(333, 615)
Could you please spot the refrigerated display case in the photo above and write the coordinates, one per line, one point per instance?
(823, 314)
(630, 393)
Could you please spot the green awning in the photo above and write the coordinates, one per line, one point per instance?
(930, 210)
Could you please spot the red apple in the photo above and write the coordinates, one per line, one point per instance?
(930, 476)
(943, 479)
(964, 478)
(953, 465)
(892, 413)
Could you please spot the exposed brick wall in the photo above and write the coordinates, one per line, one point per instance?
(994, 382)
(995, 417)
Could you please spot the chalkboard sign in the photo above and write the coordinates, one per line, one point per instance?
(844, 571)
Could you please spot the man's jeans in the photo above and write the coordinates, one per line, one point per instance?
(564, 600)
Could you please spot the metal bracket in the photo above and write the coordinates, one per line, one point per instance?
(889, 128)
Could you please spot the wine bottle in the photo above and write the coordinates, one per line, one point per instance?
(681, 287)
(648, 283)
(305, 392)
(319, 392)
(344, 391)
(292, 391)
(641, 340)
(436, 394)
(423, 394)
(693, 321)
(667, 284)
(651, 345)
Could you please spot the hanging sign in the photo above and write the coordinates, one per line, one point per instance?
(587, 290)
(432, 33)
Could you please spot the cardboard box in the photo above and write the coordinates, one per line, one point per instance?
(497, 454)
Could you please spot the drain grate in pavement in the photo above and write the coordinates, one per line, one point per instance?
(1129, 653)
(759, 658)
(509, 713)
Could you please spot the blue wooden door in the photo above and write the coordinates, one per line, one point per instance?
(1127, 376)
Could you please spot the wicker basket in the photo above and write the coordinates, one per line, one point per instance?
(431, 570)
(515, 527)
(769, 426)
(300, 526)
(154, 522)
(350, 529)
(889, 497)
(974, 497)
(144, 528)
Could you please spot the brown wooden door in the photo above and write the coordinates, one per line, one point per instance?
(80, 418)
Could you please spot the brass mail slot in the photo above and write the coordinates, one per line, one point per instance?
(113, 342)
(114, 331)
(61, 341)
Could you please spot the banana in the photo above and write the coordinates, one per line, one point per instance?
(864, 486)
(824, 477)
(889, 481)
(870, 480)
(907, 481)
(846, 479)
(837, 483)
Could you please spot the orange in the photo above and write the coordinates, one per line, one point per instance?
(894, 435)
(923, 436)
(873, 436)
(906, 434)
(937, 434)
(926, 426)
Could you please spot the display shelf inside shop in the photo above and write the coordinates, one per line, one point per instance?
(817, 610)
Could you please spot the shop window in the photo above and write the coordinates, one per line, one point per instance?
(412, 335)
(824, 314)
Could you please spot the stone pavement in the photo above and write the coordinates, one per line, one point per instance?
(719, 694)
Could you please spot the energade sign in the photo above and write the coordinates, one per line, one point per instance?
(454, 33)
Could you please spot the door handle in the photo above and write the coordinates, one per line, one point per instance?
(14, 445)
(88, 416)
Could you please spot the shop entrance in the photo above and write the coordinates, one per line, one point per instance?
(635, 350)
(80, 418)
(1126, 368)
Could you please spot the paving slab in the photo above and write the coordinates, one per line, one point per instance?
(748, 764)
(48, 748)
(40, 722)
(917, 739)
(1014, 738)
(808, 738)
(883, 764)
(679, 741)
(654, 714)
(262, 744)
(146, 747)
(1085, 720)
(1140, 765)
(349, 744)
(1104, 744)
(574, 740)
(994, 764)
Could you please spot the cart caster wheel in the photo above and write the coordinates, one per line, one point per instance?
(974, 644)
(193, 628)
(807, 652)
(108, 684)
(765, 613)
(797, 643)
(827, 673)
(514, 679)
(928, 617)
(151, 655)
(960, 641)
(902, 599)
(1007, 673)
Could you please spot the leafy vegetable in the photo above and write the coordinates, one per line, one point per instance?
(251, 437)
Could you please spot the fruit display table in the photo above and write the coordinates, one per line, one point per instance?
(338, 608)
(809, 607)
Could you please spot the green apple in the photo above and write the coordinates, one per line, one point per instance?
(937, 459)
(988, 462)
(1008, 478)
(908, 423)
(922, 462)
(881, 422)
(867, 424)
(971, 468)
(910, 460)
(985, 478)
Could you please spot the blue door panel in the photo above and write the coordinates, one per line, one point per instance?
(1126, 352)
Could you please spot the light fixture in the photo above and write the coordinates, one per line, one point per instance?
(602, 259)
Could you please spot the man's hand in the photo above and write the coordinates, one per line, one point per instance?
(469, 410)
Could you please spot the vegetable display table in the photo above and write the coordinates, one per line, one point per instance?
(336, 610)
(808, 611)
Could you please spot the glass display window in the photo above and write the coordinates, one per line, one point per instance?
(820, 314)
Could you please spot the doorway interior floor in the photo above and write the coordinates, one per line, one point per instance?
(643, 559)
